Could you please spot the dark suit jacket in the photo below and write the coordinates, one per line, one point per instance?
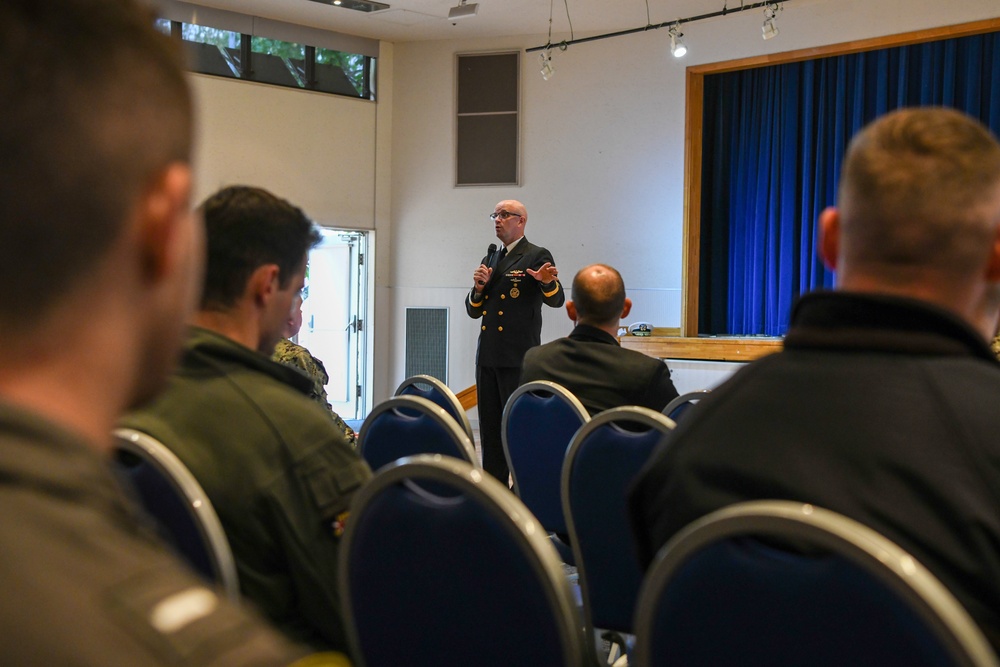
(602, 374)
(882, 409)
(511, 306)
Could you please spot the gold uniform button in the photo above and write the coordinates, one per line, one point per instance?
(503, 296)
(500, 313)
(484, 312)
(499, 328)
(487, 296)
(484, 327)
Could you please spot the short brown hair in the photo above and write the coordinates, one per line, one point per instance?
(913, 191)
(246, 228)
(95, 102)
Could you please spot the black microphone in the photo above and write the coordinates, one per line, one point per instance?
(489, 257)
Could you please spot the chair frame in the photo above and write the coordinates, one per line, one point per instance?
(154, 452)
(686, 397)
(859, 544)
(430, 409)
(631, 413)
(498, 500)
(538, 385)
(444, 390)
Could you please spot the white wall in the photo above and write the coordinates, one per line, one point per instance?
(324, 153)
(316, 150)
(602, 148)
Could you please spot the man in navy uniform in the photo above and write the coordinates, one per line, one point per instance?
(510, 286)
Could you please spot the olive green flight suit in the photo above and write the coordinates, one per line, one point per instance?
(277, 470)
(85, 580)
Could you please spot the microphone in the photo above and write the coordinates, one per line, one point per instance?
(489, 258)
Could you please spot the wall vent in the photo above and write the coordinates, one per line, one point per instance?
(427, 342)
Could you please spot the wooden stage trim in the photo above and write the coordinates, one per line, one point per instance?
(706, 349)
(468, 397)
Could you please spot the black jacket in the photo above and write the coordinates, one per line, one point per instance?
(880, 408)
(601, 373)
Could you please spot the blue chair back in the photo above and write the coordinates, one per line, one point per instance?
(730, 589)
(179, 507)
(605, 456)
(539, 422)
(435, 391)
(407, 425)
(680, 405)
(463, 578)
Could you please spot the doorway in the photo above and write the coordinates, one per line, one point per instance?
(335, 317)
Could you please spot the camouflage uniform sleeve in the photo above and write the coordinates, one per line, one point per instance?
(294, 355)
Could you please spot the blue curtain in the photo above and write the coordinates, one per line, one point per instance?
(774, 138)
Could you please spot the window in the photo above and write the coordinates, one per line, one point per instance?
(239, 55)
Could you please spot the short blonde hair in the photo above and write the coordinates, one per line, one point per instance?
(915, 192)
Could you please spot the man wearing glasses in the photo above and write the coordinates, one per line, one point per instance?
(509, 288)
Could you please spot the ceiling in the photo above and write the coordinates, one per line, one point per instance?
(418, 20)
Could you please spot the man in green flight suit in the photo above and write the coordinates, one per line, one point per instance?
(278, 471)
(100, 265)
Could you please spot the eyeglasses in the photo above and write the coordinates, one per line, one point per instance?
(503, 215)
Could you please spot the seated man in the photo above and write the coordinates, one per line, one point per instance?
(100, 259)
(883, 404)
(590, 362)
(294, 355)
(278, 471)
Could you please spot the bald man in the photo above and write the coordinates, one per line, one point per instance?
(590, 362)
(509, 288)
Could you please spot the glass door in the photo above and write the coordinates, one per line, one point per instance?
(334, 317)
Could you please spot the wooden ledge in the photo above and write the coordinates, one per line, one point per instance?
(706, 349)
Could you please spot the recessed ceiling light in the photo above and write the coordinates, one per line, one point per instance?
(357, 5)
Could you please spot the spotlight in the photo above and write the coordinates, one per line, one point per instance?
(677, 47)
(770, 29)
(547, 69)
(463, 11)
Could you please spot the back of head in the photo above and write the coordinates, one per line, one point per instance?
(919, 193)
(599, 295)
(247, 228)
(95, 103)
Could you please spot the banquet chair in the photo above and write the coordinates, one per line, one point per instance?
(463, 578)
(539, 422)
(429, 387)
(677, 407)
(406, 425)
(781, 583)
(604, 457)
(179, 507)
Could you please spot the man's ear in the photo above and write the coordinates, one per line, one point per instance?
(627, 308)
(163, 208)
(263, 283)
(829, 237)
(571, 310)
